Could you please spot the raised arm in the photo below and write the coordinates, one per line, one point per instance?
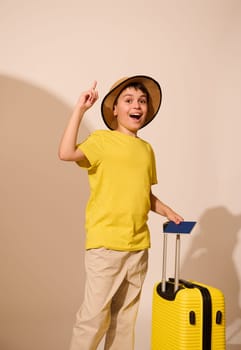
(161, 208)
(67, 147)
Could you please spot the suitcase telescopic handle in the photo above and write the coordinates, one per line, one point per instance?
(177, 262)
(178, 229)
(164, 262)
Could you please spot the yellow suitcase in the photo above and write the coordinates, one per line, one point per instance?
(186, 315)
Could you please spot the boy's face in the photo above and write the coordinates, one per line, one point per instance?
(130, 110)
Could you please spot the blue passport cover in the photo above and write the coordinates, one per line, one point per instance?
(183, 227)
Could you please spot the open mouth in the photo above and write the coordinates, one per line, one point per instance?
(135, 116)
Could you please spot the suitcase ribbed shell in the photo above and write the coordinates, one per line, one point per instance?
(172, 320)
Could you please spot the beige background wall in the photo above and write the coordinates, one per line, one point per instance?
(50, 52)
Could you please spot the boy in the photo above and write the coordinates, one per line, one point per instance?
(121, 169)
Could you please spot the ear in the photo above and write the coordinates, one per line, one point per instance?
(115, 111)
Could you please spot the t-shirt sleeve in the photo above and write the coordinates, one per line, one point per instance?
(153, 162)
(92, 147)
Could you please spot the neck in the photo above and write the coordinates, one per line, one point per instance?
(126, 131)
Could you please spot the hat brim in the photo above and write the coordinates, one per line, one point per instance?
(155, 98)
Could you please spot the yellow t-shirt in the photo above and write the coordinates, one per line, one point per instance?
(121, 174)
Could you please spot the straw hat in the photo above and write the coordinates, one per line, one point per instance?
(155, 97)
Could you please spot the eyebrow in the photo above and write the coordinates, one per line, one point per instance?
(129, 94)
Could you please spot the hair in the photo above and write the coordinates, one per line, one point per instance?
(136, 86)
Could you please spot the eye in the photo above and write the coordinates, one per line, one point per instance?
(143, 101)
(129, 100)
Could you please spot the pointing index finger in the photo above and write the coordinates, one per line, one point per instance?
(94, 85)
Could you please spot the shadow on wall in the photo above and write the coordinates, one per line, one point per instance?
(42, 221)
(210, 260)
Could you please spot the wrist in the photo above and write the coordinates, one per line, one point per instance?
(167, 212)
(79, 111)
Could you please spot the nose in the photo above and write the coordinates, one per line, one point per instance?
(136, 104)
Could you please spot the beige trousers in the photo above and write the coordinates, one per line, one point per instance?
(114, 281)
